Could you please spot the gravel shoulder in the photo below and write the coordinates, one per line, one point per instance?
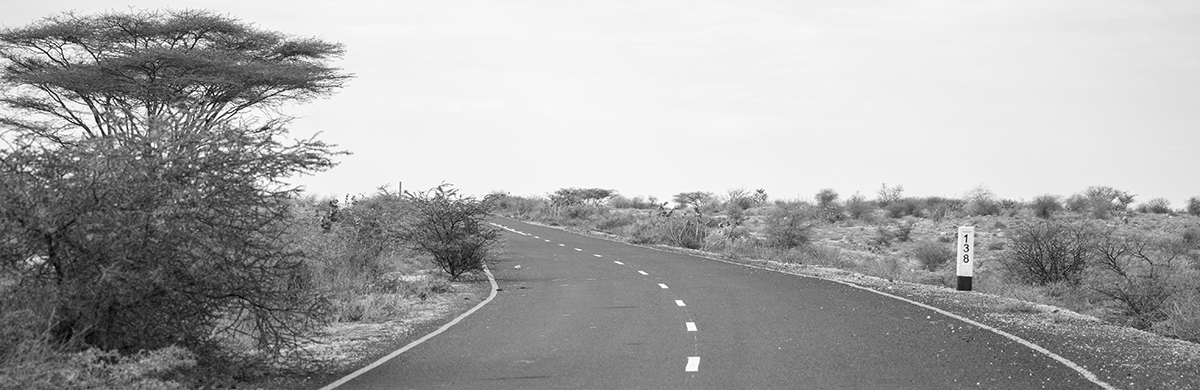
(342, 348)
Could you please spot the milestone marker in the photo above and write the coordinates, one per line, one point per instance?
(966, 257)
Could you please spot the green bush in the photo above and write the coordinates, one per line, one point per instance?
(1193, 206)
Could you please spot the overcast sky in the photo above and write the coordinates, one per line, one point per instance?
(653, 97)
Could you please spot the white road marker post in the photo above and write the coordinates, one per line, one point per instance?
(966, 257)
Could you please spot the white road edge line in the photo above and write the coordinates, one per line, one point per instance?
(662, 285)
(691, 326)
(413, 344)
(693, 364)
(618, 262)
(679, 302)
(1066, 362)
(643, 273)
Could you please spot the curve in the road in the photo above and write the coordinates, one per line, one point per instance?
(443, 328)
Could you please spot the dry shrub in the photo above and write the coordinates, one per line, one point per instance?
(932, 255)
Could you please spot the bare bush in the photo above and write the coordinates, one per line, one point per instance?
(1049, 251)
(452, 228)
(1139, 274)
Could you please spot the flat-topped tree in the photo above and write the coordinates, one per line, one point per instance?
(69, 77)
(140, 171)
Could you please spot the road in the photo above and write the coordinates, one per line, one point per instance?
(586, 313)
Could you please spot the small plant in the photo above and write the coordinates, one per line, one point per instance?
(932, 255)
(1155, 206)
(1045, 206)
(789, 225)
(858, 207)
(1193, 206)
(981, 201)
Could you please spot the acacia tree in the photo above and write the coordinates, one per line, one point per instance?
(139, 189)
(69, 76)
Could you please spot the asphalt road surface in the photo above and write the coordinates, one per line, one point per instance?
(586, 313)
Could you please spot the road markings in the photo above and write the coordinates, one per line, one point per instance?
(1085, 373)
(597, 255)
(536, 237)
(618, 262)
(578, 250)
(679, 303)
(643, 273)
(547, 240)
(390, 356)
(662, 285)
(691, 326)
(562, 245)
(693, 364)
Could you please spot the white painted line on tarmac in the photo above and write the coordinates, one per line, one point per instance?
(619, 262)
(693, 364)
(404, 349)
(578, 250)
(547, 240)
(1084, 372)
(679, 303)
(536, 237)
(691, 326)
(561, 245)
(662, 285)
(643, 273)
(597, 255)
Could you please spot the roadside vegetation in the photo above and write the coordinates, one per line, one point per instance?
(1097, 252)
(148, 238)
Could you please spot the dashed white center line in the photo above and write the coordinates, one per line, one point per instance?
(691, 326)
(546, 240)
(597, 255)
(619, 262)
(578, 250)
(679, 302)
(693, 364)
(536, 237)
(562, 245)
(662, 285)
(643, 273)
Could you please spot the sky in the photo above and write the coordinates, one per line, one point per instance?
(657, 97)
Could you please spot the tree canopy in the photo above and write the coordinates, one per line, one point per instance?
(71, 76)
(142, 191)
